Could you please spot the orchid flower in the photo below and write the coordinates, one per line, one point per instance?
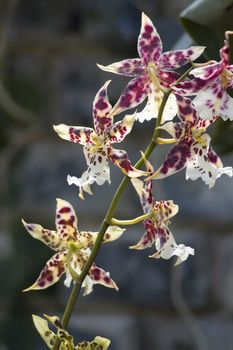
(66, 340)
(97, 144)
(157, 231)
(192, 149)
(60, 241)
(210, 85)
(152, 74)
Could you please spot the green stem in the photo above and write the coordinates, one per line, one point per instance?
(107, 220)
(130, 221)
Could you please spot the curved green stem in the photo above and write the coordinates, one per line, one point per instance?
(107, 220)
(130, 221)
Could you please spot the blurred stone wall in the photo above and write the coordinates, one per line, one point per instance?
(48, 75)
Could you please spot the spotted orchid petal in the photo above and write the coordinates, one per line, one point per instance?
(190, 87)
(101, 109)
(131, 67)
(210, 71)
(144, 190)
(48, 237)
(120, 129)
(212, 102)
(88, 237)
(66, 220)
(46, 334)
(151, 109)
(175, 161)
(134, 93)
(176, 59)
(77, 134)
(205, 164)
(113, 233)
(149, 42)
(186, 111)
(170, 248)
(120, 159)
(149, 236)
(99, 343)
(97, 171)
(98, 276)
(52, 272)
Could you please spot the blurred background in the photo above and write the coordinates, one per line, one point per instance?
(48, 75)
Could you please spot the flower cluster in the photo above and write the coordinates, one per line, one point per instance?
(197, 100)
(67, 239)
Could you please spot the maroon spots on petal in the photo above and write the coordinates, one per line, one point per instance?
(64, 210)
(148, 28)
(107, 279)
(101, 104)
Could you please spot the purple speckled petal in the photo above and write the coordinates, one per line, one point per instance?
(209, 72)
(66, 221)
(131, 67)
(100, 111)
(48, 237)
(120, 158)
(120, 129)
(213, 102)
(190, 87)
(76, 134)
(176, 159)
(176, 59)
(186, 111)
(167, 78)
(51, 273)
(135, 93)
(99, 276)
(225, 53)
(149, 42)
(149, 236)
(97, 171)
(144, 189)
(199, 165)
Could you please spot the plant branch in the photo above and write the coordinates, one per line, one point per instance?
(107, 220)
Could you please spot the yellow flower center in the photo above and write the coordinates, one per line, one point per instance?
(225, 77)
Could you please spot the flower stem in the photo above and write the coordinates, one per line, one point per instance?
(107, 220)
(131, 221)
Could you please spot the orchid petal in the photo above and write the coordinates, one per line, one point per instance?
(120, 158)
(119, 130)
(151, 109)
(99, 276)
(134, 93)
(46, 334)
(149, 42)
(209, 72)
(99, 343)
(204, 164)
(212, 102)
(166, 78)
(101, 109)
(190, 87)
(48, 237)
(175, 161)
(98, 171)
(186, 111)
(176, 59)
(165, 210)
(170, 248)
(76, 134)
(131, 67)
(66, 220)
(113, 233)
(51, 273)
(149, 236)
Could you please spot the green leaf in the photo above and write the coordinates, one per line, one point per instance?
(206, 21)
